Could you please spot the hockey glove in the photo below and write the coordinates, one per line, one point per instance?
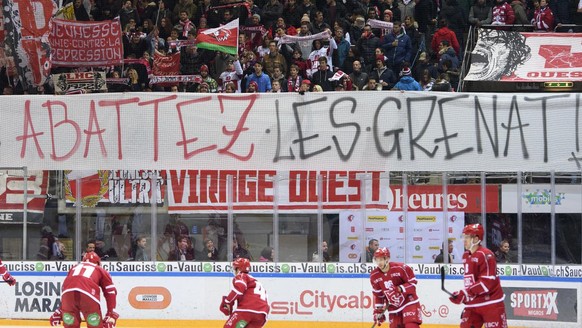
(459, 297)
(379, 319)
(56, 318)
(225, 307)
(379, 316)
(110, 319)
(9, 279)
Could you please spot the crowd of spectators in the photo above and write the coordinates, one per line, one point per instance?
(344, 47)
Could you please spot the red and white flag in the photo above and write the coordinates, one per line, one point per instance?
(223, 38)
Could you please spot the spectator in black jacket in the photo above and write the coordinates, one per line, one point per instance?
(322, 76)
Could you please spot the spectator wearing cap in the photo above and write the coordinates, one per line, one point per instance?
(387, 16)
(323, 75)
(382, 75)
(221, 61)
(190, 60)
(358, 77)
(252, 87)
(233, 74)
(255, 37)
(271, 11)
(247, 12)
(407, 82)
(423, 63)
(356, 29)
(305, 86)
(389, 5)
(212, 84)
(262, 80)
(398, 47)
(367, 45)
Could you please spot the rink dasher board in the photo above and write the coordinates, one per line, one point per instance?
(335, 291)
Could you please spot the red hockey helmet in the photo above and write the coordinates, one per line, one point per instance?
(382, 252)
(243, 264)
(92, 257)
(474, 230)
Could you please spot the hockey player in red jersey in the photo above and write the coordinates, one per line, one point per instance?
(251, 298)
(6, 275)
(394, 289)
(482, 295)
(81, 293)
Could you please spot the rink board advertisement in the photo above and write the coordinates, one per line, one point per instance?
(551, 304)
(205, 191)
(425, 234)
(536, 198)
(361, 131)
(323, 292)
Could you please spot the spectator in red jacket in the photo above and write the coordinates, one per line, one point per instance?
(502, 13)
(543, 20)
(442, 34)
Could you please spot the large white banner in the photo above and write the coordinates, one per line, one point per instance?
(327, 293)
(537, 198)
(517, 56)
(423, 230)
(386, 131)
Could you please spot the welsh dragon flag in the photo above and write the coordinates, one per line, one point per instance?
(223, 38)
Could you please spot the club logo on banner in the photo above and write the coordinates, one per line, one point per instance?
(103, 187)
(76, 43)
(86, 82)
(12, 186)
(423, 230)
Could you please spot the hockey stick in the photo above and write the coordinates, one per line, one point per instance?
(443, 283)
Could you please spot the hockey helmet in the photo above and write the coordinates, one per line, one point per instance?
(243, 264)
(92, 257)
(382, 252)
(474, 230)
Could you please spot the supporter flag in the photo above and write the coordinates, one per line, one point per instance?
(166, 65)
(223, 38)
(26, 23)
